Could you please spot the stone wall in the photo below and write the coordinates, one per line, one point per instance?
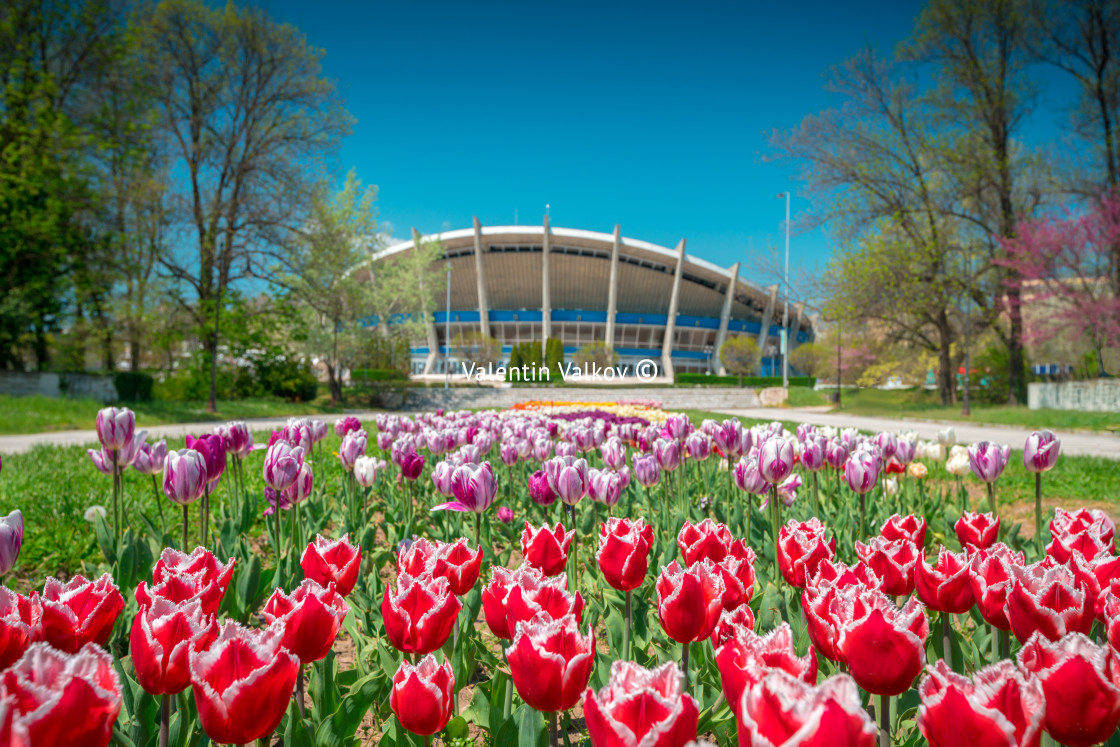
(1100, 395)
(26, 384)
(675, 398)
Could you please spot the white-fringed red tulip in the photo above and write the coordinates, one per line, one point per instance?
(781, 709)
(55, 698)
(892, 561)
(746, 658)
(689, 600)
(422, 694)
(79, 611)
(1047, 600)
(945, 586)
(455, 561)
(623, 554)
(534, 594)
(198, 561)
(1081, 685)
(311, 617)
(163, 636)
(546, 547)
(842, 575)
(184, 476)
(998, 707)
(419, 613)
(909, 527)
(801, 548)
(709, 540)
(884, 645)
(20, 624)
(1093, 520)
(990, 577)
(242, 683)
(550, 661)
(732, 624)
(327, 561)
(641, 706)
(980, 530)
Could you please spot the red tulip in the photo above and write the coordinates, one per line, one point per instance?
(55, 698)
(990, 578)
(1081, 684)
(311, 617)
(496, 593)
(623, 554)
(550, 662)
(734, 623)
(708, 540)
(163, 637)
(546, 548)
(1092, 520)
(892, 561)
(827, 608)
(179, 588)
(689, 600)
(979, 530)
(200, 560)
(801, 548)
(738, 580)
(421, 695)
(20, 625)
(1047, 600)
(781, 709)
(910, 527)
(883, 645)
(842, 575)
(242, 683)
(641, 706)
(746, 659)
(419, 613)
(454, 561)
(536, 594)
(998, 707)
(332, 561)
(1110, 614)
(945, 586)
(1095, 576)
(1087, 543)
(79, 611)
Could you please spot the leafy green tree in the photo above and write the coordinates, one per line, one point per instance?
(812, 358)
(553, 354)
(594, 355)
(740, 356)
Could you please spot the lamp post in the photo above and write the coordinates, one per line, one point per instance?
(966, 405)
(447, 332)
(785, 305)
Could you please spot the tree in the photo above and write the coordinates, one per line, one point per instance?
(474, 347)
(1063, 265)
(740, 356)
(554, 354)
(247, 115)
(980, 54)
(596, 355)
(812, 358)
(318, 269)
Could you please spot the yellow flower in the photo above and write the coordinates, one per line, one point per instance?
(917, 469)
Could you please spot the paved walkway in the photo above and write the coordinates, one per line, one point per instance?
(1083, 443)
(25, 442)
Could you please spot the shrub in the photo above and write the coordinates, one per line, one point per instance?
(133, 386)
(359, 376)
(595, 355)
(756, 382)
(739, 355)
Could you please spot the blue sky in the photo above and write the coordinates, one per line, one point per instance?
(649, 115)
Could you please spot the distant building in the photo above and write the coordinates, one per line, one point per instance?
(525, 283)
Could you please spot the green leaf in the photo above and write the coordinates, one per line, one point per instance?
(456, 729)
(105, 539)
(339, 729)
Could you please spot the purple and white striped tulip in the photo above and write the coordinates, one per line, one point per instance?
(282, 463)
(184, 476)
(1040, 453)
(115, 427)
(988, 459)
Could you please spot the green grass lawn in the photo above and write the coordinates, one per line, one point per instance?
(39, 414)
(919, 403)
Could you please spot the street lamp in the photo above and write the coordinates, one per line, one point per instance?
(785, 306)
(966, 405)
(447, 332)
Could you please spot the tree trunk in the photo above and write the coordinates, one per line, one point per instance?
(944, 359)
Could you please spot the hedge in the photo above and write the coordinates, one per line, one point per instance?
(755, 382)
(359, 375)
(133, 386)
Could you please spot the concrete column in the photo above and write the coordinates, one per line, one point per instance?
(546, 286)
(725, 316)
(767, 315)
(795, 328)
(612, 294)
(671, 322)
(480, 277)
(430, 324)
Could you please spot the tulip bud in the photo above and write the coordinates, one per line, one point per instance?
(647, 473)
(335, 562)
(861, 470)
(212, 449)
(163, 636)
(184, 476)
(546, 548)
(648, 704)
(421, 695)
(79, 611)
(310, 617)
(567, 478)
(689, 600)
(987, 460)
(419, 613)
(282, 463)
(150, 458)
(550, 662)
(115, 427)
(623, 554)
(365, 471)
(11, 540)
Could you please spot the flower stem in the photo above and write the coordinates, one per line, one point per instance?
(164, 719)
(299, 689)
(884, 721)
(159, 505)
(816, 498)
(507, 706)
(553, 740)
(992, 499)
(1038, 512)
(185, 526)
(684, 663)
(626, 629)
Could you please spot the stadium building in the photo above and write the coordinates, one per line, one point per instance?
(524, 283)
